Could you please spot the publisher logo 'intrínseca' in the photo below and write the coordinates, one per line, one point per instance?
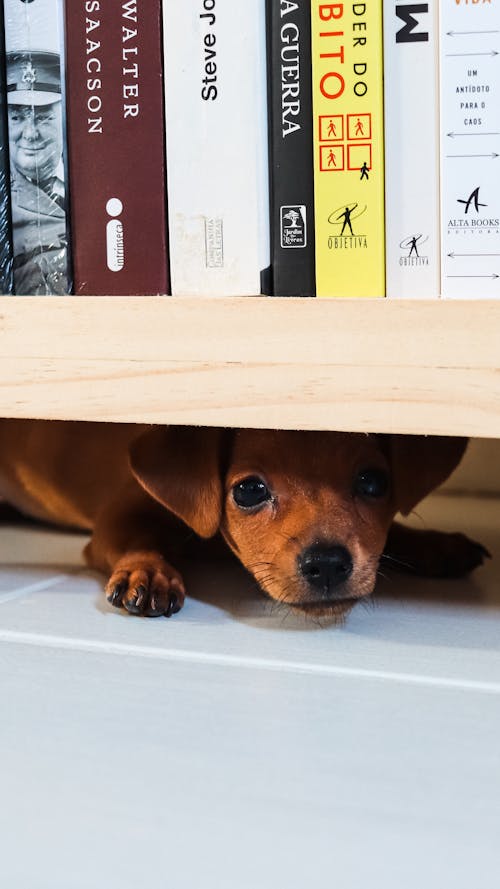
(115, 255)
(293, 226)
(347, 235)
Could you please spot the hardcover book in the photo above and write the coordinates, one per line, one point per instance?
(412, 149)
(470, 156)
(291, 148)
(348, 148)
(217, 150)
(34, 43)
(116, 147)
(6, 275)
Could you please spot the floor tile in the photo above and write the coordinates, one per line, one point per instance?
(122, 772)
(237, 746)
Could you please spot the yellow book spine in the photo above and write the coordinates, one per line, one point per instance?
(347, 69)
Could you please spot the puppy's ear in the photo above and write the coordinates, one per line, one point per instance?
(419, 464)
(181, 468)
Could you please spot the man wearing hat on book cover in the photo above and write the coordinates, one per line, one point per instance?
(35, 118)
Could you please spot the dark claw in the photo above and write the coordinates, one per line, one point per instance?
(116, 595)
(132, 606)
(140, 593)
(173, 606)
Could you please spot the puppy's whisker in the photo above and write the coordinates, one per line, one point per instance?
(284, 614)
(316, 620)
(396, 561)
(368, 603)
(419, 517)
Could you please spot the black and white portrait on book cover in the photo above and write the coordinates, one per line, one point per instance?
(36, 127)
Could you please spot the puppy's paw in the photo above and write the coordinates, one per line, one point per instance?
(449, 555)
(145, 584)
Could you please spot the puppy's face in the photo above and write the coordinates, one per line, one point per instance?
(308, 515)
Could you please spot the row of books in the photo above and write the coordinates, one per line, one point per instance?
(386, 119)
(236, 147)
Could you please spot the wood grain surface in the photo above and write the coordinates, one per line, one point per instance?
(383, 365)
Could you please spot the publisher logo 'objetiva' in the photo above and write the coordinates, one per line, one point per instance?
(413, 251)
(115, 255)
(347, 234)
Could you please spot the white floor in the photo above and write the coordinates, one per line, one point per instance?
(238, 747)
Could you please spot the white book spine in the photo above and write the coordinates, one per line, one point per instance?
(217, 149)
(412, 149)
(470, 148)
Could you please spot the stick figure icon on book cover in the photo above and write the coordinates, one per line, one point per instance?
(35, 121)
(364, 171)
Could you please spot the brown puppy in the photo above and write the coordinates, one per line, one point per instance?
(308, 514)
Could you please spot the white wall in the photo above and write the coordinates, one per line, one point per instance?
(480, 468)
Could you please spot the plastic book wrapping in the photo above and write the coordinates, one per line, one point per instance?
(348, 148)
(6, 258)
(411, 82)
(117, 147)
(470, 148)
(291, 148)
(34, 45)
(217, 146)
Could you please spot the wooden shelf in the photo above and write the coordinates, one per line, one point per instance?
(367, 365)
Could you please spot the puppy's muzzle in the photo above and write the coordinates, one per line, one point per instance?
(326, 569)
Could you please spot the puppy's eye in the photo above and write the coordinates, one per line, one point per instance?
(371, 484)
(251, 492)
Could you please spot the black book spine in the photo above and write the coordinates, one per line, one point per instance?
(291, 148)
(6, 257)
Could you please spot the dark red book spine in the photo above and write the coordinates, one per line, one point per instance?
(115, 115)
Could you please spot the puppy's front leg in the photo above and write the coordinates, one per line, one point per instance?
(432, 553)
(128, 543)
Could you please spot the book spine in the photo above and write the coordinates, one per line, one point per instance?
(6, 256)
(217, 145)
(291, 149)
(348, 148)
(34, 42)
(116, 147)
(411, 81)
(470, 140)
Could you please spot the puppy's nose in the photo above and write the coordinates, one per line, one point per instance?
(325, 568)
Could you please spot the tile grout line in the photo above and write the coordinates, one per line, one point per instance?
(257, 663)
(32, 588)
